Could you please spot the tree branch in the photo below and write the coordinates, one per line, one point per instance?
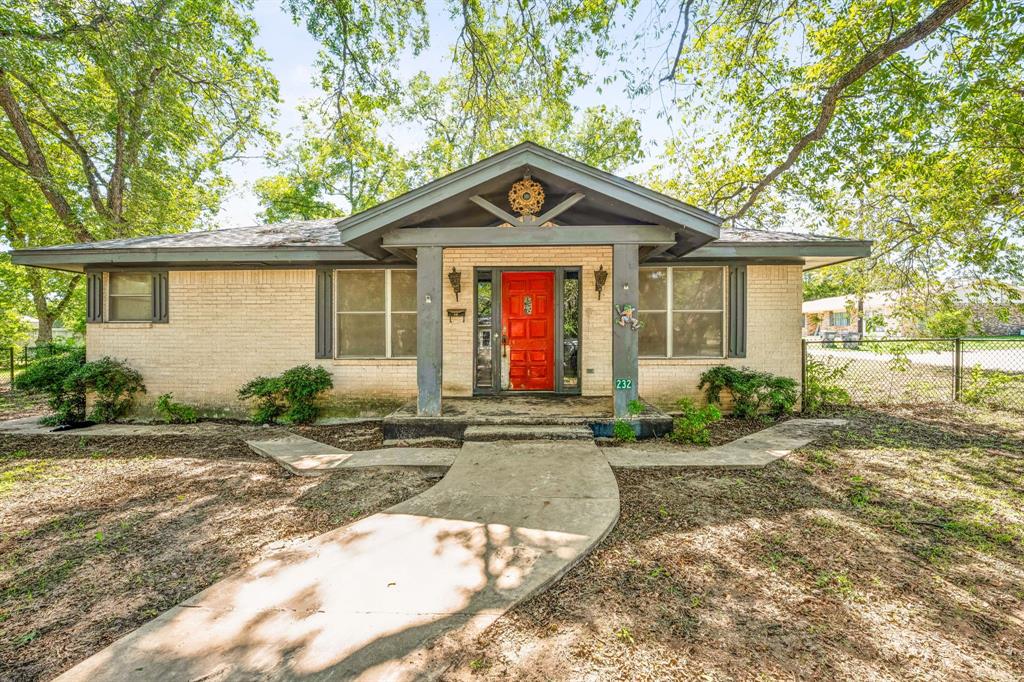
(830, 100)
(54, 36)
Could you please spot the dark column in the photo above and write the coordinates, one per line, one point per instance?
(428, 330)
(625, 341)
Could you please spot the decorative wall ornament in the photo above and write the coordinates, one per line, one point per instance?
(526, 197)
(627, 315)
(600, 278)
(455, 278)
(528, 305)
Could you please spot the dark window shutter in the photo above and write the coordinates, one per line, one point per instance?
(160, 297)
(324, 313)
(94, 297)
(738, 311)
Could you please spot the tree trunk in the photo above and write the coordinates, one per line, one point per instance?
(45, 333)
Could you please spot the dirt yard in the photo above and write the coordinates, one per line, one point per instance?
(892, 550)
(99, 536)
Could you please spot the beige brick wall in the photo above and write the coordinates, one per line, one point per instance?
(596, 365)
(228, 326)
(774, 298)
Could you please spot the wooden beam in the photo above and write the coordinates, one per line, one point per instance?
(524, 235)
(559, 209)
(496, 211)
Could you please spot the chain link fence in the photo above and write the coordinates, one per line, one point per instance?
(978, 371)
(13, 359)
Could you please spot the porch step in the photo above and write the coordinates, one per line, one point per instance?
(422, 442)
(492, 432)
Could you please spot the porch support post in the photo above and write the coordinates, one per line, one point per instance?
(428, 330)
(625, 341)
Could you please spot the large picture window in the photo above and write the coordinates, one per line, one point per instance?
(683, 310)
(131, 296)
(376, 313)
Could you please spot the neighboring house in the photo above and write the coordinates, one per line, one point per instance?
(840, 316)
(58, 332)
(522, 272)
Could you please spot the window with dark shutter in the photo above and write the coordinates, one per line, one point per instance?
(94, 297)
(324, 313)
(738, 311)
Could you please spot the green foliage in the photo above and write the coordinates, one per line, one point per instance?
(635, 407)
(113, 385)
(693, 425)
(752, 391)
(52, 375)
(173, 412)
(291, 396)
(622, 430)
(981, 387)
(948, 324)
(822, 385)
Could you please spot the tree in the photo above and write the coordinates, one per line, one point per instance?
(118, 118)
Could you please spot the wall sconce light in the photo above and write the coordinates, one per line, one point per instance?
(600, 278)
(455, 277)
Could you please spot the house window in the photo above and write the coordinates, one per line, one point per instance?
(376, 313)
(683, 311)
(131, 297)
(839, 319)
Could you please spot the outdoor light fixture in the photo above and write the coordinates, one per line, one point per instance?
(600, 277)
(455, 277)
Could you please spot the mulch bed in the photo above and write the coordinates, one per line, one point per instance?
(99, 535)
(893, 549)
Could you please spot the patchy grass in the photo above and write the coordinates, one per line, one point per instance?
(892, 549)
(98, 536)
(17, 404)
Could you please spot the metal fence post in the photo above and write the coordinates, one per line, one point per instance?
(11, 353)
(803, 373)
(958, 355)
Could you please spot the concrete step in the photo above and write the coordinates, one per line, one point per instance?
(422, 442)
(493, 432)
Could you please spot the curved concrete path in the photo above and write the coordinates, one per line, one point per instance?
(392, 596)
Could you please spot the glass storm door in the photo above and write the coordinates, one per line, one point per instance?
(528, 330)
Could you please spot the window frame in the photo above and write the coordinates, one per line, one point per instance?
(388, 353)
(832, 318)
(109, 295)
(670, 311)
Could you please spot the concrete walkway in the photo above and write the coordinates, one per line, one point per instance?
(306, 457)
(393, 596)
(756, 450)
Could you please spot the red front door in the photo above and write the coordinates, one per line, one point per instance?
(528, 330)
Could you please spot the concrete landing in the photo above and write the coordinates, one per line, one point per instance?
(305, 457)
(526, 432)
(393, 596)
(756, 450)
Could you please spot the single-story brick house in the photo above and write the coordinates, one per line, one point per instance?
(527, 271)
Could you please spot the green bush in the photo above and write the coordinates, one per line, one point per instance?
(113, 384)
(821, 387)
(982, 387)
(948, 324)
(623, 430)
(174, 413)
(752, 392)
(290, 397)
(67, 378)
(692, 426)
(50, 375)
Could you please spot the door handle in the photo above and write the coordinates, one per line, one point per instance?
(504, 346)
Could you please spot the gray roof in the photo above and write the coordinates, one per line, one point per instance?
(750, 235)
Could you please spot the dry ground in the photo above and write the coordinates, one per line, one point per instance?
(890, 550)
(98, 536)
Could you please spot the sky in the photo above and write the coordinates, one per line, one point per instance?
(293, 53)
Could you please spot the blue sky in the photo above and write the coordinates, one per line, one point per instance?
(293, 54)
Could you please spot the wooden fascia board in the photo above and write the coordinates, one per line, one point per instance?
(70, 259)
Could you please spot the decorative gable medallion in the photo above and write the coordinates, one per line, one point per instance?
(526, 197)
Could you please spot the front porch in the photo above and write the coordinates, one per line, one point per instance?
(594, 412)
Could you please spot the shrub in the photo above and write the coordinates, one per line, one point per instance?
(623, 430)
(635, 407)
(821, 388)
(982, 387)
(291, 396)
(947, 324)
(114, 385)
(752, 391)
(174, 413)
(692, 426)
(50, 375)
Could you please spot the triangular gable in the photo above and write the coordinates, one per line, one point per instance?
(453, 201)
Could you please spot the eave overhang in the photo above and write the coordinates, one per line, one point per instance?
(811, 254)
